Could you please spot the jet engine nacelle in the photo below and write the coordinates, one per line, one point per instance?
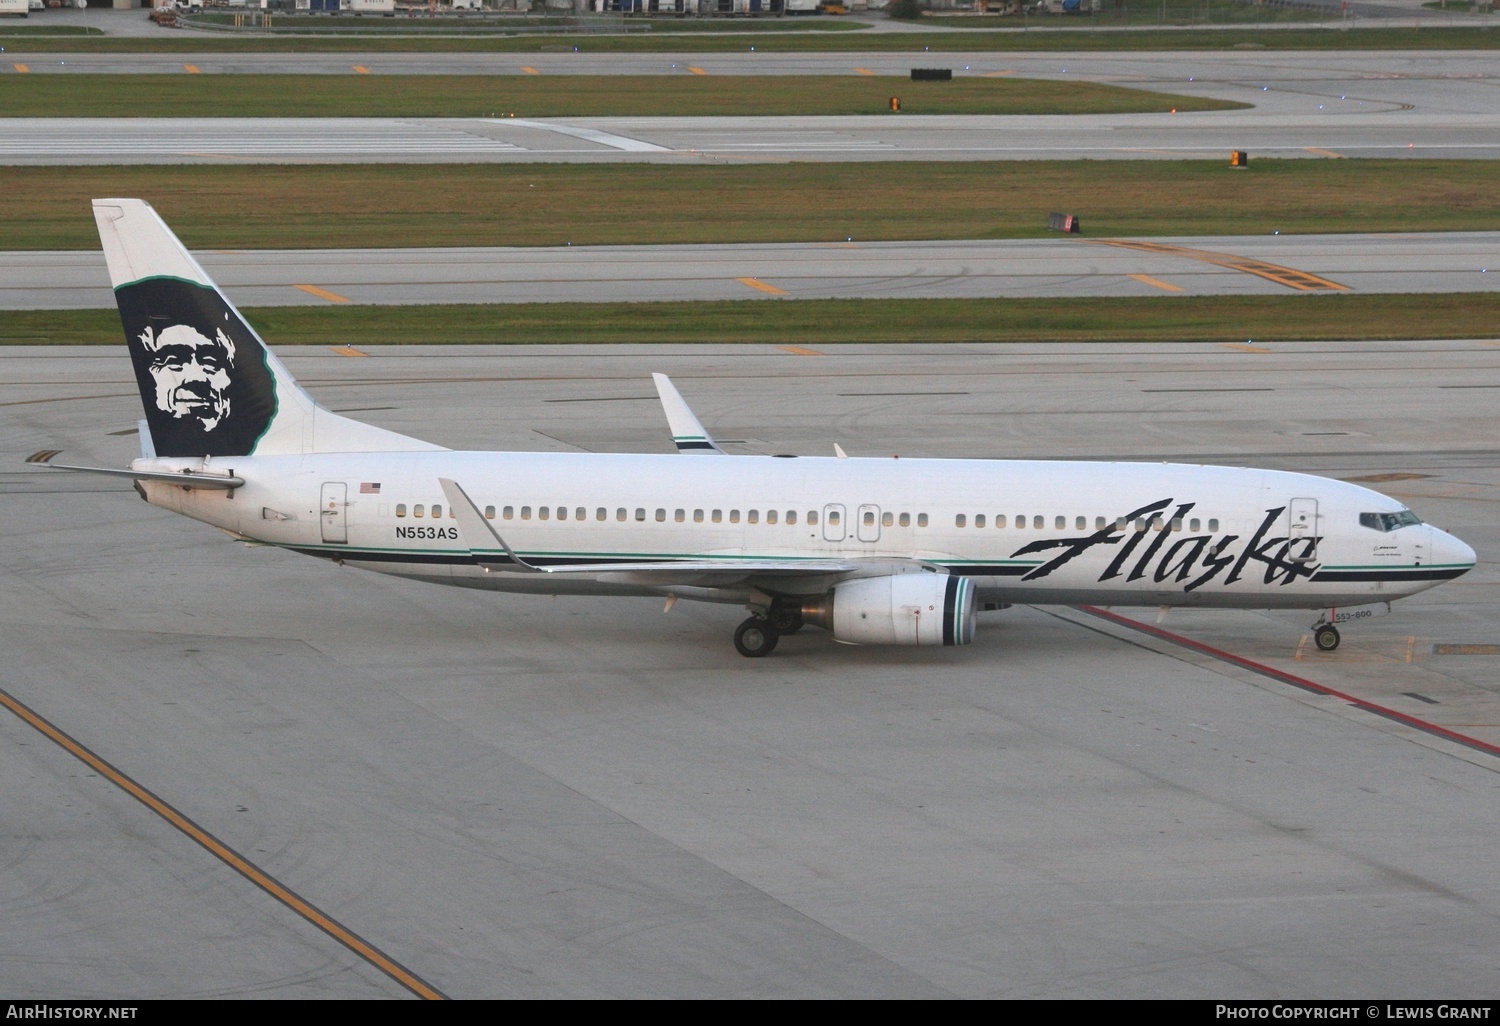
(901, 609)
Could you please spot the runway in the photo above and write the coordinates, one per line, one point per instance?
(755, 139)
(1305, 105)
(520, 797)
(1064, 267)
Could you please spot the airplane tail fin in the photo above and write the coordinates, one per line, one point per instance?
(209, 385)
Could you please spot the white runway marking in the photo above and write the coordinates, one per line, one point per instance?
(594, 135)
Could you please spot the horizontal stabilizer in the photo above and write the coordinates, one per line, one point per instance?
(186, 478)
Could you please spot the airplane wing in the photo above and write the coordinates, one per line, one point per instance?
(697, 569)
(501, 558)
(687, 432)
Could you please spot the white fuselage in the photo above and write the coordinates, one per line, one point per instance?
(1027, 531)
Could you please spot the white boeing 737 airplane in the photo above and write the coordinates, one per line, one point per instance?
(877, 551)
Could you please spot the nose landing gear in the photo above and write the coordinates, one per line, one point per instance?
(1325, 636)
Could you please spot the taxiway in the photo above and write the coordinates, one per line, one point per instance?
(518, 797)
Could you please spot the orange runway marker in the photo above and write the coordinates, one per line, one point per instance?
(1155, 283)
(756, 283)
(332, 297)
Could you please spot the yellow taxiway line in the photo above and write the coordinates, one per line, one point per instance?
(1303, 281)
(223, 852)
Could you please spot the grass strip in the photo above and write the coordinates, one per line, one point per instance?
(374, 206)
(8, 31)
(1477, 37)
(532, 96)
(1233, 319)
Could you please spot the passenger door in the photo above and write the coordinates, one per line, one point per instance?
(1303, 530)
(334, 512)
(833, 522)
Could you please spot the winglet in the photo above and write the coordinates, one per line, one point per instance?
(475, 527)
(687, 432)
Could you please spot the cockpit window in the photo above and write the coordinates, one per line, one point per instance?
(1385, 522)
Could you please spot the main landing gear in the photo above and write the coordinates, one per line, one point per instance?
(786, 619)
(758, 635)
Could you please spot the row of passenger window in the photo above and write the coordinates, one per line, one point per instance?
(1060, 523)
(1037, 522)
(640, 513)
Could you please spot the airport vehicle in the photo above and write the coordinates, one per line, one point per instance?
(17, 7)
(877, 551)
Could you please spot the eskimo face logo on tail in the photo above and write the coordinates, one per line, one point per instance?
(202, 372)
(192, 373)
